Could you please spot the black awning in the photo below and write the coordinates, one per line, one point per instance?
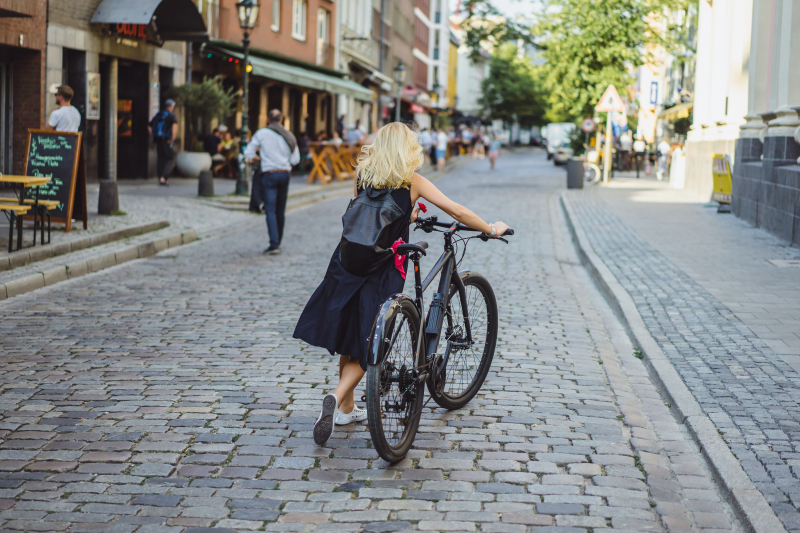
(174, 20)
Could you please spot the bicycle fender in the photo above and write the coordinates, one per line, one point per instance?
(377, 340)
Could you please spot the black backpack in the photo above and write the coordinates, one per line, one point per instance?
(367, 235)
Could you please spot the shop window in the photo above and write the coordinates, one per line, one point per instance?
(276, 15)
(299, 10)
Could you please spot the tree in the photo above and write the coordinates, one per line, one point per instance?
(206, 100)
(512, 91)
(587, 45)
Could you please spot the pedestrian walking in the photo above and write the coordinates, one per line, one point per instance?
(66, 118)
(664, 150)
(163, 130)
(426, 141)
(441, 149)
(276, 148)
(340, 313)
(494, 149)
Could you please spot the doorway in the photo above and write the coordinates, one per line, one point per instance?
(133, 108)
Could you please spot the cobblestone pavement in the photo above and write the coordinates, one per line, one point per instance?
(168, 395)
(750, 393)
(739, 264)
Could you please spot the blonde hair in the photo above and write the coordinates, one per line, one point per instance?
(390, 162)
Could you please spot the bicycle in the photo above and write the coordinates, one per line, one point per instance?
(402, 356)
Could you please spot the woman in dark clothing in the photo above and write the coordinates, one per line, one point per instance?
(340, 313)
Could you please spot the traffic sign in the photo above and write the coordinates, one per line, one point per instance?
(610, 101)
(587, 125)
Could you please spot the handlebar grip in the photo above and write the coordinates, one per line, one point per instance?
(509, 231)
(424, 245)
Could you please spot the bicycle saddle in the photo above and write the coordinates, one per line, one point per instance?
(404, 249)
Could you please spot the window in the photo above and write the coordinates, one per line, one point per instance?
(323, 39)
(299, 9)
(276, 15)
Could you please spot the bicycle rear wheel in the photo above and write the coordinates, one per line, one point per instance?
(467, 362)
(394, 392)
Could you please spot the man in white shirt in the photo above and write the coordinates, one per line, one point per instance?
(66, 117)
(276, 148)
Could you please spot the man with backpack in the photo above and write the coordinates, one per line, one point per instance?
(163, 130)
(276, 149)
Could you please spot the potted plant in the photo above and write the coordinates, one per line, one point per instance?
(206, 100)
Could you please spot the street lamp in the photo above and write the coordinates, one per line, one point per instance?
(399, 78)
(248, 14)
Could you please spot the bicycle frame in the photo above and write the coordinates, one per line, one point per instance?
(429, 335)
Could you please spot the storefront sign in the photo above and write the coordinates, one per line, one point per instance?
(137, 31)
(92, 96)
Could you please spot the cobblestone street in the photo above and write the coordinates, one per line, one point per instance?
(167, 394)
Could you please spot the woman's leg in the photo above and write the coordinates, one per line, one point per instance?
(350, 374)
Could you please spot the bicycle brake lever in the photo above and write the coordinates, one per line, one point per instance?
(501, 239)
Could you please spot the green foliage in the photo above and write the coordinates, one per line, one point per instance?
(513, 91)
(586, 45)
(682, 125)
(206, 99)
(577, 141)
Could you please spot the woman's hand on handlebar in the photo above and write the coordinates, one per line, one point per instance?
(500, 228)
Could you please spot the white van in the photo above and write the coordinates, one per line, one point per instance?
(556, 135)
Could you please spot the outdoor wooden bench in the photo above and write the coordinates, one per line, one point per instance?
(45, 206)
(13, 212)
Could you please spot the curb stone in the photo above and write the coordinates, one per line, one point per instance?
(25, 257)
(94, 264)
(749, 504)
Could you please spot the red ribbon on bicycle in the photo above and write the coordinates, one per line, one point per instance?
(399, 259)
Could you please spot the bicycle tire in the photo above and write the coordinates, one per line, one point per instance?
(392, 414)
(448, 390)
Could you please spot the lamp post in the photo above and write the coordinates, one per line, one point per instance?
(399, 78)
(248, 14)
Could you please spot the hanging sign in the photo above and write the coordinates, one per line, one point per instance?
(610, 101)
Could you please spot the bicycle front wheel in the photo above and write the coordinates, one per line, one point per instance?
(394, 391)
(466, 359)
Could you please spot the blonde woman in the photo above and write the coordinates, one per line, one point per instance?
(340, 313)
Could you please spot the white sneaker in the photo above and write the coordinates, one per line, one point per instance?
(323, 427)
(356, 415)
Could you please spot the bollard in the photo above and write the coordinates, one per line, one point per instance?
(205, 184)
(574, 174)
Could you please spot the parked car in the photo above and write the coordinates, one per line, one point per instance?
(562, 154)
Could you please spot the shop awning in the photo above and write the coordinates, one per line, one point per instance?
(303, 77)
(678, 111)
(378, 78)
(174, 20)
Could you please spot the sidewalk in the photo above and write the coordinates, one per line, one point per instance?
(718, 298)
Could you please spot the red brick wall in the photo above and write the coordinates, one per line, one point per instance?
(28, 69)
(280, 42)
(74, 13)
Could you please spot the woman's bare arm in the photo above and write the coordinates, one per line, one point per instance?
(422, 188)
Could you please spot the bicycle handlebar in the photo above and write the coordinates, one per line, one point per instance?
(456, 226)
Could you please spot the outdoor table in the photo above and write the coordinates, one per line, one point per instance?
(22, 183)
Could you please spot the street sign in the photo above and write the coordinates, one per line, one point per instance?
(587, 125)
(610, 101)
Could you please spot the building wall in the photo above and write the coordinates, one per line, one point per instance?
(28, 65)
(452, 74)
(280, 41)
(766, 173)
(470, 76)
(74, 13)
(721, 88)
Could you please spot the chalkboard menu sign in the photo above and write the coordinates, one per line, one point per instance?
(59, 156)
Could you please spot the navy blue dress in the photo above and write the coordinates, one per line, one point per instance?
(340, 313)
